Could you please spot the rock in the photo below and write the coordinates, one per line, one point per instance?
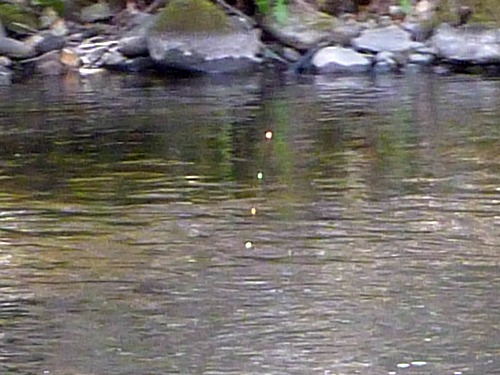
(138, 64)
(387, 57)
(5, 76)
(113, 58)
(49, 64)
(344, 33)
(116, 61)
(421, 59)
(386, 61)
(419, 31)
(291, 54)
(426, 50)
(337, 7)
(48, 17)
(442, 70)
(211, 43)
(15, 49)
(303, 28)
(70, 58)
(384, 21)
(96, 42)
(424, 10)
(59, 28)
(397, 13)
(134, 42)
(471, 45)
(5, 61)
(383, 67)
(92, 56)
(89, 72)
(100, 11)
(340, 60)
(391, 38)
(49, 42)
(3, 34)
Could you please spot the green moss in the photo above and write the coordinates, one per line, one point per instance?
(192, 16)
(57, 5)
(11, 14)
(485, 11)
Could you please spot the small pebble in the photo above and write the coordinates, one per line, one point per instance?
(253, 211)
(269, 134)
(248, 245)
(260, 175)
(403, 365)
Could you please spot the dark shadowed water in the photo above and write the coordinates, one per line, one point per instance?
(128, 244)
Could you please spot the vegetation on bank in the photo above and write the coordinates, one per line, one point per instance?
(178, 13)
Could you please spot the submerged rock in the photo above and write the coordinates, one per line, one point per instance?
(471, 45)
(5, 76)
(70, 58)
(196, 36)
(340, 60)
(49, 64)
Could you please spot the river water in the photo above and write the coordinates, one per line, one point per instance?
(149, 226)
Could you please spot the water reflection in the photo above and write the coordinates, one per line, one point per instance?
(129, 244)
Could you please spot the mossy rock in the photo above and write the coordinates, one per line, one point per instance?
(10, 15)
(192, 16)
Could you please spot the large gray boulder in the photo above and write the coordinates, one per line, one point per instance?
(206, 53)
(390, 38)
(339, 60)
(470, 45)
(15, 49)
(196, 36)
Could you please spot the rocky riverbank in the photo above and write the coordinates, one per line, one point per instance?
(308, 41)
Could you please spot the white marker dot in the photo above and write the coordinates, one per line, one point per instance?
(418, 363)
(260, 175)
(403, 365)
(248, 245)
(269, 134)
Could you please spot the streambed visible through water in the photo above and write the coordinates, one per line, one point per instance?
(128, 244)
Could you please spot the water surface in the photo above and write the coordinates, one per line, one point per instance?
(128, 243)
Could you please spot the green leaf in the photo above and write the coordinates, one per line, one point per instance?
(281, 11)
(263, 6)
(406, 6)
